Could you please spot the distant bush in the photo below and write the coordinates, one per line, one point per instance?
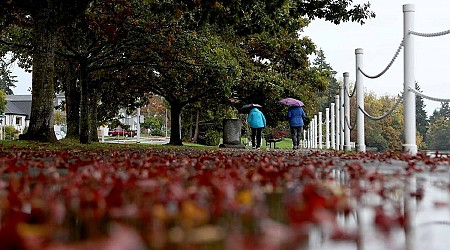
(10, 133)
(212, 138)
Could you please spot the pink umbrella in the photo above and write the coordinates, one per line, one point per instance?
(292, 102)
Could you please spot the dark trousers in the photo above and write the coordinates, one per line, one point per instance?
(297, 135)
(256, 137)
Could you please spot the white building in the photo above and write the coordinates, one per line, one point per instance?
(17, 113)
(18, 110)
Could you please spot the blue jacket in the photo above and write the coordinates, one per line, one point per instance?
(296, 115)
(256, 118)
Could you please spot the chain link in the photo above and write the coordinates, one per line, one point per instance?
(351, 127)
(353, 92)
(387, 67)
(400, 99)
(428, 97)
(442, 33)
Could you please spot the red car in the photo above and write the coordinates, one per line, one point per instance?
(121, 132)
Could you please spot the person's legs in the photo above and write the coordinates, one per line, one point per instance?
(294, 137)
(253, 137)
(258, 137)
(300, 136)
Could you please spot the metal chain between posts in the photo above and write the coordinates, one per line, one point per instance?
(353, 92)
(428, 97)
(351, 127)
(442, 33)
(400, 99)
(387, 67)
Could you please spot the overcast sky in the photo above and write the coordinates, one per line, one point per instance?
(380, 38)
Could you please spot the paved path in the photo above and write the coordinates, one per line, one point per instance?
(148, 140)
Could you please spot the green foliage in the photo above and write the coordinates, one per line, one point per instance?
(2, 101)
(438, 136)
(7, 80)
(422, 122)
(10, 133)
(155, 124)
(212, 138)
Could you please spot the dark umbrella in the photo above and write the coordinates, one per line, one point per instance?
(292, 102)
(247, 107)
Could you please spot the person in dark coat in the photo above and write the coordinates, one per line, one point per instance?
(257, 122)
(296, 116)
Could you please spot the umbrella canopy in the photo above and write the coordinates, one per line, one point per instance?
(247, 107)
(292, 102)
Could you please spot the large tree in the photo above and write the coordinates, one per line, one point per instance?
(45, 18)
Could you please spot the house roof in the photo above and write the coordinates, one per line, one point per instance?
(18, 105)
(18, 98)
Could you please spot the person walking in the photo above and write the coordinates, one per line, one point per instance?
(296, 116)
(257, 122)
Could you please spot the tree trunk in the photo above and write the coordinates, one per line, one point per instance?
(43, 83)
(191, 124)
(175, 124)
(72, 94)
(93, 116)
(197, 118)
(84, 105)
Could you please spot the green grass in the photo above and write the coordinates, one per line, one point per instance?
(68, 143)
(286, 143)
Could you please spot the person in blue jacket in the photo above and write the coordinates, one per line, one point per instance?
(257, 122)
(296, 116)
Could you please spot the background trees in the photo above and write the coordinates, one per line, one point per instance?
(438, 134)
(113, 52)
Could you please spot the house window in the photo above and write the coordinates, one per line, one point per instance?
(19, 121)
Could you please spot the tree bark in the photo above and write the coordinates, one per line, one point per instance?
(43, 83)
(197, 118)
(84, 105)
(175, 123)
(72, 94)
(191, 125)
(93, 116)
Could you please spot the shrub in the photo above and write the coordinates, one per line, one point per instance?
(212, 138)
(10, 133)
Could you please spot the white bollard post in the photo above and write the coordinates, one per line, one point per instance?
(309, 135)
(315, 132)
(320, 131)
(333, 127)
(327, 128)
(338, 119)
(341, 115)
(360, 142)
(138, 126)
(305, 140)
(347, 146)
(409, 98)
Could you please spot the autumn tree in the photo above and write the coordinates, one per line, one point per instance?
(383, 134)
(188, 51)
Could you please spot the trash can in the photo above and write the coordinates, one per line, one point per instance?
(232, 133)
